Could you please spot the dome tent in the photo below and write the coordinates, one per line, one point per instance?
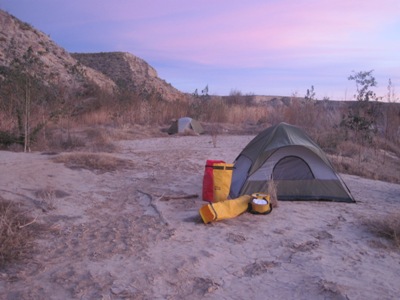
(296, 163)
(186, 123)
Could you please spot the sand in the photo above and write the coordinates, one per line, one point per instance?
(112, 236)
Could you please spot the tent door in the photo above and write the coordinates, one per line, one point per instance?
(292, 168)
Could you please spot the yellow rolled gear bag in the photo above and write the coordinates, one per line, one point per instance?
(260, 204)
(226, 209)
(222, 173)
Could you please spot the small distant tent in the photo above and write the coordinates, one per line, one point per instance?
(183, 124)
(297, 165)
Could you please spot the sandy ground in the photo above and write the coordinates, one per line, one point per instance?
(111, 236)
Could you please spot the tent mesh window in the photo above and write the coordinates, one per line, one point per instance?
(292, 168)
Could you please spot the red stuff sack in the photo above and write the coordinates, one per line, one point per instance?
(208, 180)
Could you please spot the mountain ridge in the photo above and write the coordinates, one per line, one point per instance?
(129, 72)
(76, 71)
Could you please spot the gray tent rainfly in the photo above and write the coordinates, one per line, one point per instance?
(296, 163)
(186, 123)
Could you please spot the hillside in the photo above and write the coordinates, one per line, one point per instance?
(54, 65)
(129, 72)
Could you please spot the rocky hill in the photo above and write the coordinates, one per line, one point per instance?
(53, 64)
(129, 72)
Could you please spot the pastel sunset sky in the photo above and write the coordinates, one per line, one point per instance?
(263, 47)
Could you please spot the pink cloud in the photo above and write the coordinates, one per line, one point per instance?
(248, 34)
(287, 35)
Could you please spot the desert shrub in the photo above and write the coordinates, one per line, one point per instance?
(209, 110)
(102, 116)
(94, 162)
(62, 141)
(328, 139)
(214, 131)
(386, 226)
(131, 108)
(387, 145)
(371, 164)
(237, 98)
(276, 115)
(273, 192)
(47, 197)
(302, 113)
(100, 140)
(15, 236)
(96, 139)
(348, 149)
(392, 124)
(237, 114)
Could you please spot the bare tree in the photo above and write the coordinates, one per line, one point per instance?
(364, 82)
(362, 117)
(310, 95)
(24, 96)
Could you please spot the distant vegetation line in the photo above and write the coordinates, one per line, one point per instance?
(46, 117)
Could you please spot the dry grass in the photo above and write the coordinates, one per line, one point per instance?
(100, 162)
(100, 140)
(214, 138)
(16, 236)
(367, 162)
(272, 192)
(47, 196)
(251, 114)
(98, 117)
(387, 227)
(130, 116)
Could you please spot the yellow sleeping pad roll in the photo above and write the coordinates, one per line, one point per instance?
(226, 209)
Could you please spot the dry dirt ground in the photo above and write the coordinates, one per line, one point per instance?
(112, 236)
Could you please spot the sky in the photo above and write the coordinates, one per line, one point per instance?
(261, 47)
